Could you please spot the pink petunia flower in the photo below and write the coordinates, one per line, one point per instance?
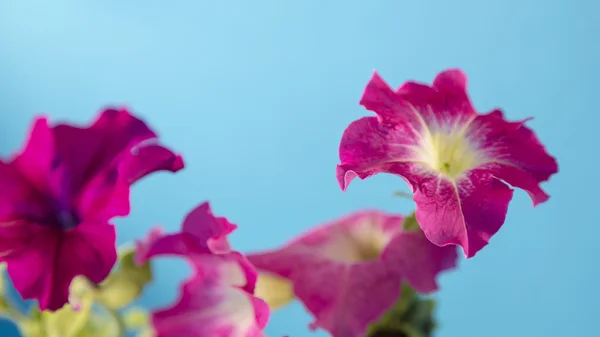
(218, 299)
(457, 162)
(58, 194)
(349, 272)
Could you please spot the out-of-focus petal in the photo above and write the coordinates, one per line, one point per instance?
(342, 297)
(45, 269)
(213, 303)
(59, 193)
(201, 233)
(334, 269)
(412, 255)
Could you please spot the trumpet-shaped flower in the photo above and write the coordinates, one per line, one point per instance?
(58, 194)
(218, 299)
(456, 161)
(349, 272)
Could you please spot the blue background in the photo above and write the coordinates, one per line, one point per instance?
(257, 93)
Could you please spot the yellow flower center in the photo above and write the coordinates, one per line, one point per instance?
(449, 152)
(273, 289)
(364, 242)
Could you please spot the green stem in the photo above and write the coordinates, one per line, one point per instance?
(122, 329)
(10, 311)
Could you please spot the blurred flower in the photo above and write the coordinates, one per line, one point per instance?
(125, 283)
(455, 160)
(59, 193)
(218, 299)
(136, 321)
(87, 321)
(6, 308)
(349, 272)
(201, 233)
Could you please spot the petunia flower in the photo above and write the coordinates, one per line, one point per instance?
(59, 194)
(218, 299)
(456, 161)
(349, 272)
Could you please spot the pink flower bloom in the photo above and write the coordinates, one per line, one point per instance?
(218, 300)
(349, 272)
(456, 161)
(59, 193)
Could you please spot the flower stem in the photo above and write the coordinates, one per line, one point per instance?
(121, 328)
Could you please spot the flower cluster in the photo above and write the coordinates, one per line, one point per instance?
(60, 193)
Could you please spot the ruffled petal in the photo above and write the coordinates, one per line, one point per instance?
(467, 212)
(514, 153)
(91, 168)
(334, 268)
(49, 260)
(201, 233)
(213, 302)
(395, 141)
(131, 153)
(369, 147)
(18, 198)
(39, 167)
(341, 296)
(361, 236)
(445, 103)
(391, 108)
(218, 300)
(412, 255)
(90, 150)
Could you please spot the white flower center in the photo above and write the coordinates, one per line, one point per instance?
(449, 152)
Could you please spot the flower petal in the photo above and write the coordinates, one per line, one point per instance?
(213, 302)
(418, 260)
(201, 233)
(334, 277)
(391, 107)
(147, 158)
(369, 147)
(90, 168)
(341, 296)
(131, 154)
(467, 213)
(514, 153)
(392, 141)
(445, 103)
(52, 258)
(18, 198)
(35, 163)
(361, 236)
(88, 151)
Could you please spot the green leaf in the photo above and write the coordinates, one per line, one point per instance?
(125, 283)
(67, 322)
(31, 328)
(2, 279)
(100, 325)
(410, 223)
(5, 306)
(136, 319)
(403, 194)
(148, 332)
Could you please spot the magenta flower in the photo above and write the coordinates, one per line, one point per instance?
(218, 300)
(457, 162)
(349, 272)
(59, 193)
